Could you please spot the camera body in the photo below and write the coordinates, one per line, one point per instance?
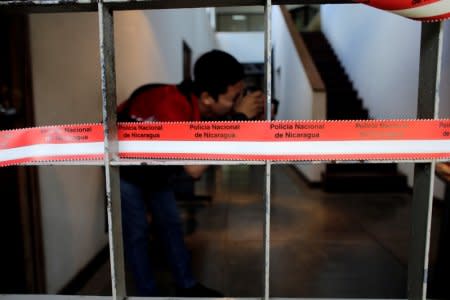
(251, 89)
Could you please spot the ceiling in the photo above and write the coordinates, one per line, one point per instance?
(246, 9)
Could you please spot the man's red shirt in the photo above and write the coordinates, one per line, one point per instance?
(157, 103)
(160, 103)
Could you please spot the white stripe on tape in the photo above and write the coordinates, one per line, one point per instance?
(43, 150)
(425, 11)
(287, 148)
(233, 148)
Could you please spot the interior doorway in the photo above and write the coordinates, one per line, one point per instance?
(187, 61)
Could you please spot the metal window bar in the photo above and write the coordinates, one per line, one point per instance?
(111, 149)
(267, 177)
(427, 108)
(430, 63)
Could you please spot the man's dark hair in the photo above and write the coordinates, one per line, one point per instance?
(214, 71)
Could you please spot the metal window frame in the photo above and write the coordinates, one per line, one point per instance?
(430, 63)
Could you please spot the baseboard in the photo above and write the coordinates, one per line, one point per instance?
(80, 279)
(311, 184)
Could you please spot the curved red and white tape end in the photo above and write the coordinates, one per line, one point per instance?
(420, 10)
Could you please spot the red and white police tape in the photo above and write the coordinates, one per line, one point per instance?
(276, 140)
(422, 10)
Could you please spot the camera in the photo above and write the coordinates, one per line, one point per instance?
(251, 89)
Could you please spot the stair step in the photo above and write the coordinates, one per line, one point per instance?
(343, 103)
(337, 81)
(336, 102)
(364, 182)
(340, 102)
(338, 94)
(337, 84)
(349, 168)
(333, 75)
(314, 37)
(341, 89)
(320, 55)
(348, 115)
(343, 107)
(332, 70)
(330, 65)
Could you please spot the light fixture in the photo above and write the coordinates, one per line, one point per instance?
(239, 17)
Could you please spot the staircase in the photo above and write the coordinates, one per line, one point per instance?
(343, 103)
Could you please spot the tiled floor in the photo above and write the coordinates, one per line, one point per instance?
(322, 245)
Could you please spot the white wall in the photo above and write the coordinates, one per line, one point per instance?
(444, 104)
(247, 47)
(380, 52)
(148, 45)
(292, 87)
(444, 107)
(66, 85)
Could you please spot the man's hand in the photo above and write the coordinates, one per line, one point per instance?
(251, 105)
(195, 171)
